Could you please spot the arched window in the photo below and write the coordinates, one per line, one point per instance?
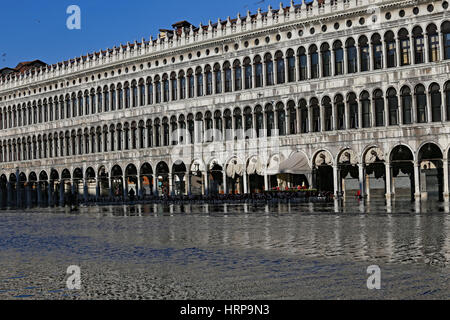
(182, 79)
(113, 98)
(270, 116)
(326, 59)
(405, 47)
(290, 56)
(352, 56)
(258, 72)
(314, 60)
(303, 62)
(419, 53)
(191, 83)
(218, 77)
(74, 108)
(281, 119)
(421, 102)
(228, 78)
(445, 29)
(393, 106)
(237, 75)
(315, 112)
(106, 98)
(174, 85)
(209, 80)
(436, 102)
(199, 78)
(247, 73)
(134, 95)
(304, 118)
(433, 43)
(269, 69)
(158, 90)
(248, 122)
(364, 50)
(259, 125)
(327, 113)
(338, 58)
(80, 103)
(166, 88)
(389, 39)
(292, 117)
(406, 105)
(379, 108)
(340, 112)
(141, 95)
(377, 52)
(99, 100)
(366, 111)
(353, 110)
(280, 67)
(120, 98)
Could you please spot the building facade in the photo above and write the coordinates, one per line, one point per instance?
(346, 96)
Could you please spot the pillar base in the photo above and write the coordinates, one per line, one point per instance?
(389, 196)
(447, 197)
(418, 197)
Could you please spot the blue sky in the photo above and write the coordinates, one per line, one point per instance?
(31, 29)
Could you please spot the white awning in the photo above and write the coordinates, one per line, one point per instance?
(234, 169)
(255, 167)
(296, 164)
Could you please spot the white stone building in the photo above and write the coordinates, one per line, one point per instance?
(344, 96)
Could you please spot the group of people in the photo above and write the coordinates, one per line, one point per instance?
(264, 197)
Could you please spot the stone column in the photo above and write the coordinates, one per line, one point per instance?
(155, 185)
(417, 193)
(125, 188)
(388, 181)
(171, 191)
(206, 182)
(446, 179)
(245, 183)
(443, 105)
(398, 51)
(85, 191)
(266, 181)
(225, 188)
(362, 175)
(426, 48)
(336, 181)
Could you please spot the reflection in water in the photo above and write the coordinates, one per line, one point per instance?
(354, 231)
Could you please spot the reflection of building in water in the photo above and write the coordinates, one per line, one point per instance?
(350, 106)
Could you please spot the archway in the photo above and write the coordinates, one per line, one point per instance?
(375, 178)
(323, 175)
(146, 182)
(215, 173)
(179, 178)
(116, 190)
(196, 179)
(402, 163)
(162, 178)
(255, 172)
(296, 171)
(103, 182)
(90, 188)
(235, 172)
(78, 185)
(348, 171)
(431, 172)
(22, 190)
(43, 195)
(12, 192)
(131, 182)
(32, 189)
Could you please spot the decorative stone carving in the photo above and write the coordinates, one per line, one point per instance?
(348, 156)
(374, 155)
(323, 159)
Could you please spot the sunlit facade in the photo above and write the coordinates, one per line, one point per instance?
(358, 106)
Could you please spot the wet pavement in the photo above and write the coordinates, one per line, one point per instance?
(241, 251)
